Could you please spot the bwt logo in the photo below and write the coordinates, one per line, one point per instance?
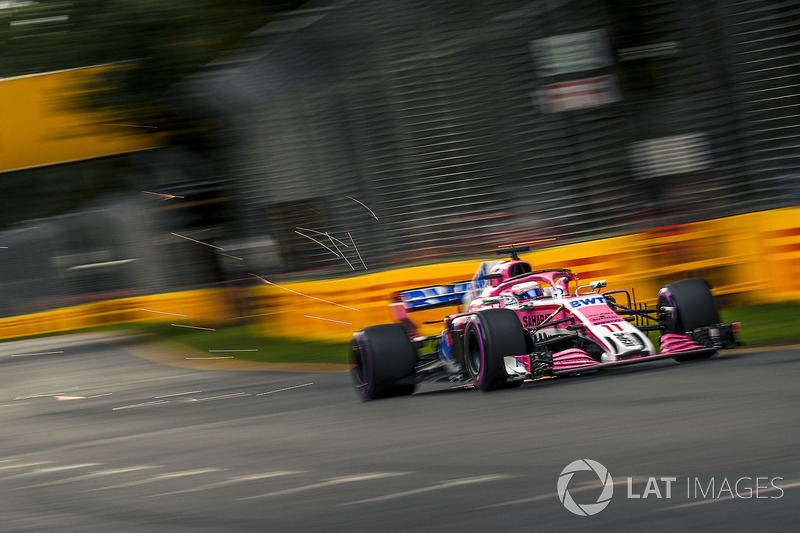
(587, 301)
(587, 509)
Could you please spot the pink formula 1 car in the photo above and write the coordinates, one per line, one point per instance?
(519, 324)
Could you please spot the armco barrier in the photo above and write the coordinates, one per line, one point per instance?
(749, 259)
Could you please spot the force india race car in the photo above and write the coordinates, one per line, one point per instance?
(520, 324)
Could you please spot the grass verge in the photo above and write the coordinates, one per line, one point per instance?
(267, 349)
(777, 323)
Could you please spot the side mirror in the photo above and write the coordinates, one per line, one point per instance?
(598, 284)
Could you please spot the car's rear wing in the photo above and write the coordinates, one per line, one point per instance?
(433, 296)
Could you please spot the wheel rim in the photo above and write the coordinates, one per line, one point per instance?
(671, 322)
(474, 356)
(358, 371)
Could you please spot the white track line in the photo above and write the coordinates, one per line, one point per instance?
(222, 397)
(439, 486)
(23, 465)
(554, 495)
(144, 404)
(328, 483)
(160, 477)
(36, 353)
(43, 471)
(231, 481)
(177, 394)
(284, 389)
(99, 473)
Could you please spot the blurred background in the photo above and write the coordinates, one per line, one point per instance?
(149, 147)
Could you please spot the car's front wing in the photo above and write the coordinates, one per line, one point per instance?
(524, 367)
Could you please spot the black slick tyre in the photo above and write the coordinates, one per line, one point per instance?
(380, 357)
(489, 336)
(693, 306)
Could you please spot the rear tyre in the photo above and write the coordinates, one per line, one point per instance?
(693, 307)
(491, 335)
(380, 357)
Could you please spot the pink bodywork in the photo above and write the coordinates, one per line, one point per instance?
(558, 279)
(565, 361)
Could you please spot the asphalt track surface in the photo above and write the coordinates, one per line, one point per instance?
(96, 439)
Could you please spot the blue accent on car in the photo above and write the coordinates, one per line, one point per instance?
(434, 296)
(445, 353)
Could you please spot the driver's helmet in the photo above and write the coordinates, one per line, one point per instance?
(527, 291)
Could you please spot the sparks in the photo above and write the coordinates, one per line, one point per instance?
(43, 395)
(193, 327)
(537, 241)
(195, 240)
(162, 196)
(258, 314)
(316, 241)
(340, 252)
(365, 207)
(231, 256)
(130, 125)
(161, 312)
(328, 319)
(359, 254)
(323, 233)
(301, 294)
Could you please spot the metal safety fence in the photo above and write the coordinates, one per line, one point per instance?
(462, 125)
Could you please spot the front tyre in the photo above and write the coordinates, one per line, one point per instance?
(380, 357)
(691, 306)
(491, 335)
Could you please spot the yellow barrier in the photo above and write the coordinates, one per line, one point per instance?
(749, 259)
(200, 308)
(40, 127)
